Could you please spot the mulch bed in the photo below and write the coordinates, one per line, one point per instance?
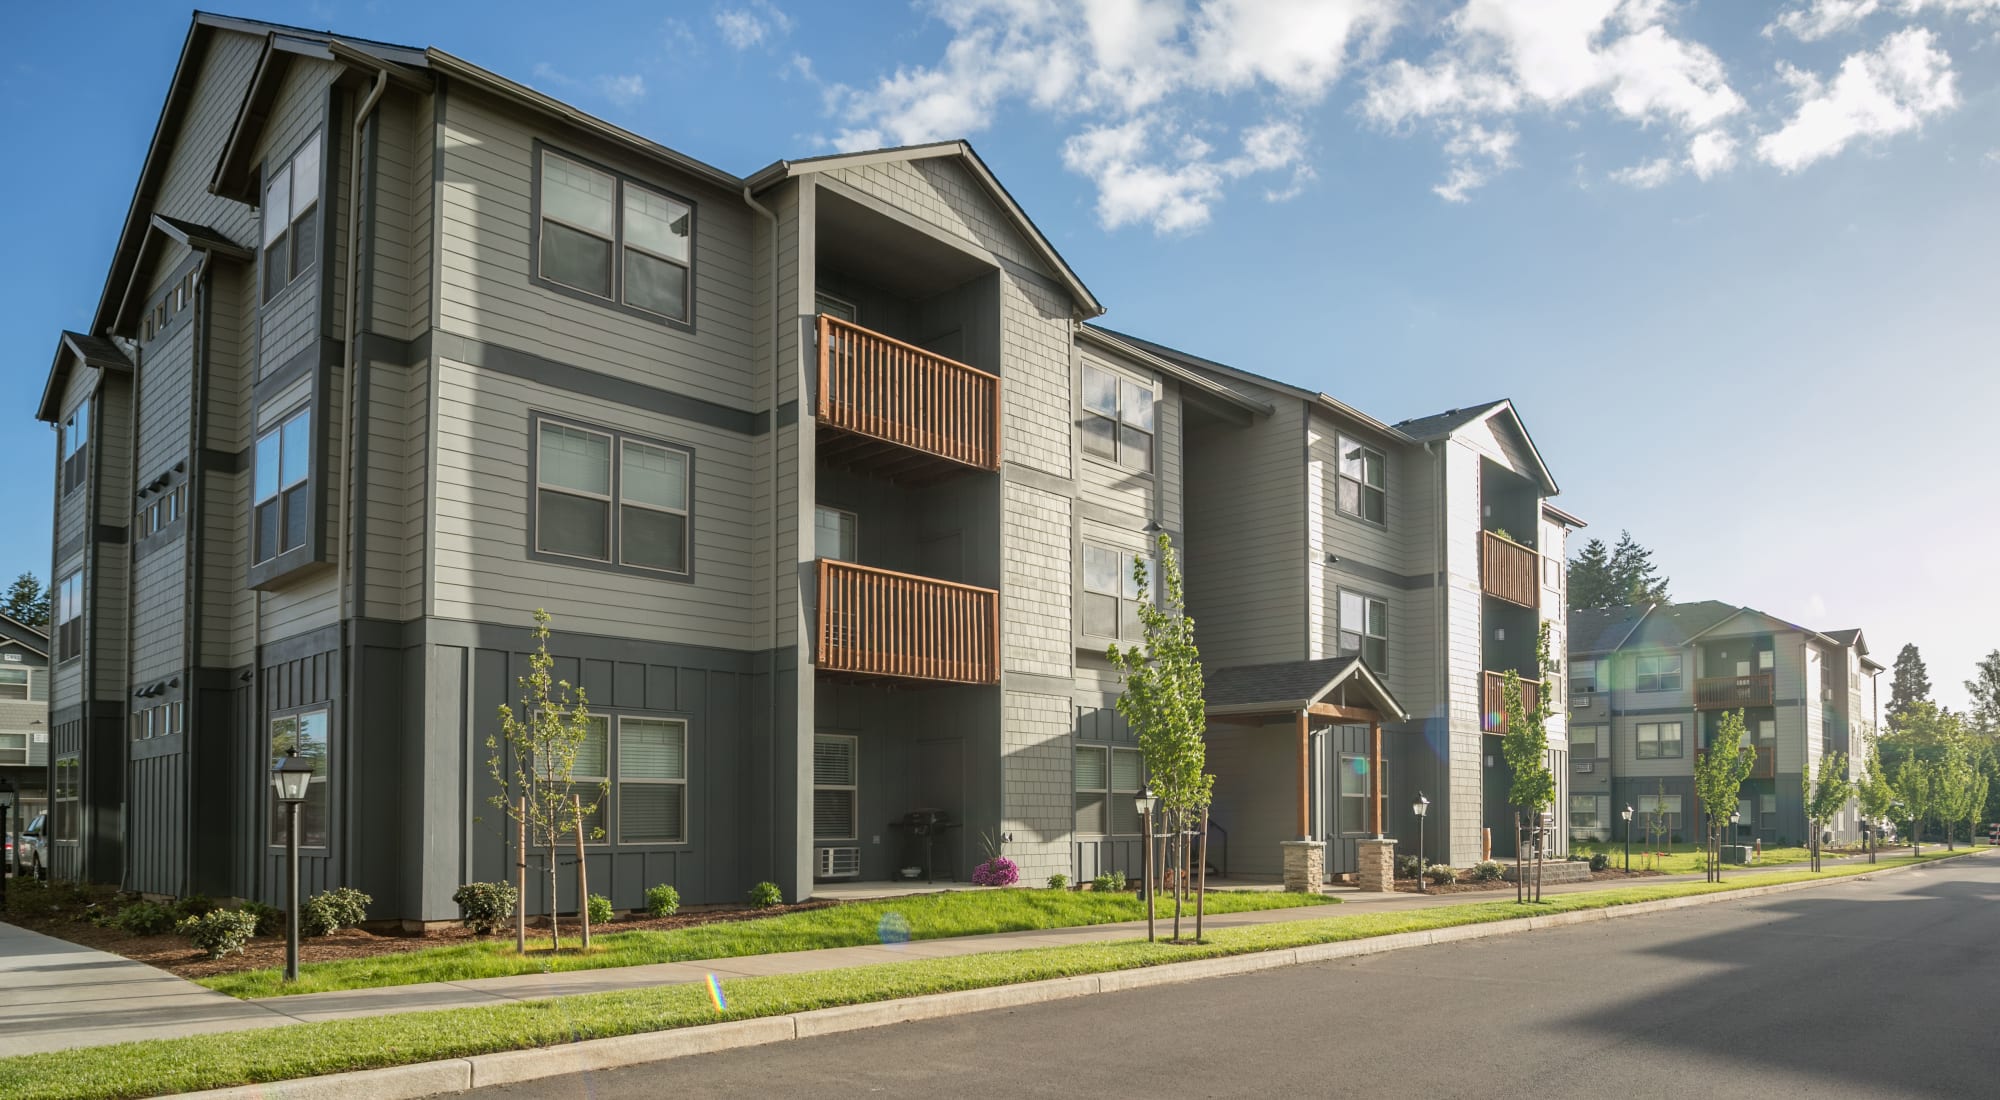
(1465, 885)
(174, 954)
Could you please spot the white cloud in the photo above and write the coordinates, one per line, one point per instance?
(752, 24)
(1139, 183)
(1823, 18)
(1711, 153)
(1647, 175)
(1478, 154)
(1877, 93)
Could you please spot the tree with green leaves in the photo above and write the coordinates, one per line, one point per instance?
(1915, 784)
(1718, 780)
(1984, 690)
(1589, 577)
(1876, 794)
(1526, 747)
(534, 758)
(1958, 789)
(27, 602)
(1909, 684)
(1162, 702)
(1826, 794)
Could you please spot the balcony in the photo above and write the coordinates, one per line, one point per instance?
(1731, 692)
(1493, 707)
(1508, 570)
(900, 411)
(876, 622)
(1766, 766)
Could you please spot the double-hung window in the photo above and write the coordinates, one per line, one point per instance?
(1657, 740)
(13, 748)
(68, 797)
(307, 731)
(1108, 781)
(291, 207)
(283, 497)
(75, 455)
(14, 683)
(1364, 485)
(633, 515)
(1582, 677)
(1357, 787)
(1658, 673)
(836, 783)
(652, 781)
(589, 775)
(1583, 744)
(1118, 419)
(1667, 807)
(1585, 814)
(835, 533)
(1364, 629)
(69, 616)
(609, 237)
(1112, 595)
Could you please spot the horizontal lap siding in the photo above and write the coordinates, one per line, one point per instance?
(790, 359)
(387, 512)
(193, 152)
(483, 571)
(159, 612)
(1246, 541)
(289, 322)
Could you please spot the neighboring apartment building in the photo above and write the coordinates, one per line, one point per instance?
(828, 488)
(24, 724)
(1648, 687)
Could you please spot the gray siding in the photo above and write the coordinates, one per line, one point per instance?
(1246, 540)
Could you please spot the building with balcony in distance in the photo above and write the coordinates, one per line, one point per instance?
(24, 724)
(1648, 687)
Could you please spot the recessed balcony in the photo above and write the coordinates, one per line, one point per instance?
(1731, 692)
(1493, 706)
(899, 411)
(877, 622)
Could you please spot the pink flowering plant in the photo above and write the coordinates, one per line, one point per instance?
(995, 869)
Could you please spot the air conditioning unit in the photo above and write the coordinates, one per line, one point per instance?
(839, 863)
(1586, 766)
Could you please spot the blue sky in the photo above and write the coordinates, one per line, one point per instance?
(1733, 261)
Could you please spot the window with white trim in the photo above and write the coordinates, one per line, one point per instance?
(1364, 628)
(281, 512)
(1656, 740)
(308, 731)
(14, 683)
(291, 231)
(607, 236)
(69, 616)
(1118, 420)
(1661, 672)
(836, 786)
(835, 533)
(632, 513)
(1112, 595)
(75, 454)
(1108, 782)
(13, 748)
(652, 780)
(1583, 674)
(1363, 488)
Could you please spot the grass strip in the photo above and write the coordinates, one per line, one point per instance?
(274, 1054)
(859, 924)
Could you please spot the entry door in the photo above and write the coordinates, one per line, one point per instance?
(941, 785)
(1346, 771)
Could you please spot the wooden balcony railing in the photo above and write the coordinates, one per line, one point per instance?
(876, 622)
(1493, 707)
(1730, 692)
(881, 388)
(1767, 761)
(1509, 570)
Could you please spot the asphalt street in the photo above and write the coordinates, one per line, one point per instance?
(1884, 988)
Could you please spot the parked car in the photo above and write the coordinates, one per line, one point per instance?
(34, 847)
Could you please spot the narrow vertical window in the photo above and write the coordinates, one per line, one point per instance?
(1093, 790)
(68, 796)
(290, 217)
(1112, 595)
(1364, 629)
(75, 455)
(281, 510)
(573, 493)
(1363, 490)
(69, 616)
(653, 507)
(652, 781)
(836, 785)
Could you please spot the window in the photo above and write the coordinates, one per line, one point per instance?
(283, 499)
(608, 237)
(1648, 805)
(835, 783)
(1584, 743)
(75, 457)
(834, 533)
(1582, 677)
(1657, 740)
(1354, 793)
(589, 773)
(1767, 659)
(575, 490)
(308, 732)
(1767, 811)
(652, 781)
(159, 720)
(1364, 629)
(835, 307)
(1118, 419)
(1661, 673)
(13, 748)
(1363, 488)
(1585, 812)
(1552, 555)
(291, 231)
(69, 616)
(1111, 595)
(162, 511)
(1107, 782)
(13, 683)
(68, 796)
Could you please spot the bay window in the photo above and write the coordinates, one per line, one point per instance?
(290, 224)
(282, 500)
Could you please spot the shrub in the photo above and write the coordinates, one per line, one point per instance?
(1409, 866)
(663, 900)
(219, 931)
(195, 905)
(485, 907)
(270, 918)
(997, 871)
(1058, 882)
(600, 909)
(1101, 883)
(1599, 861)
(331, 910)
(766, 894)
(1118, 880)
(144, 918)
(1488, 870)
(1676, 838)
(1441, 874)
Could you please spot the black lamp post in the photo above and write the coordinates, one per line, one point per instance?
(1626, 815)
(290, 777)
(1145, 801)
(1422, 808)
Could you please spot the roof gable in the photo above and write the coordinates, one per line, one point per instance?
(14, 631)
(74, 349)
(1501, 415)
(1296, 685)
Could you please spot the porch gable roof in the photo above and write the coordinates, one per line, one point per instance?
(1296, 685)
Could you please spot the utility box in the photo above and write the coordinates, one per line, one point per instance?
(1736, 853)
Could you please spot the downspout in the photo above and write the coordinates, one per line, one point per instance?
(192, 542)
(777, 567)
(350, 322)
(1440, 676)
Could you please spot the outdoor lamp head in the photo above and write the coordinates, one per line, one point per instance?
(290, 775)
(1626, 813)
(1422, 806)
(1144, 801)
(1735, 817)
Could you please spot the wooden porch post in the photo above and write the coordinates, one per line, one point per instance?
(1305, 781)
(1375, 741)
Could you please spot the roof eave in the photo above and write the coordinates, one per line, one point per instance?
(1175, 371)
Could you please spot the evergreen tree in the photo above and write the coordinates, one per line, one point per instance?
(1984, 688)
(1911, 685)
(1590, 577)
(27, 602)
(1634, 577)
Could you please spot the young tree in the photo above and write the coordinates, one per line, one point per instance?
(1634, 578)
(1877, 795)
(534, 755)
(1162, 702)
(1910, 684)
(27, 602)
(1915, 786)
(1984, 689)
(1718, 779)
(1589, 580)
(1954, 785)
(1526, 747)
(1825, 795)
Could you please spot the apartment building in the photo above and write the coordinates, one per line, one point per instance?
(1648, 687)
(24, 724)
(829, 488)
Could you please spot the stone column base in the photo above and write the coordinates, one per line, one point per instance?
(1305, 866)
(1377, 871)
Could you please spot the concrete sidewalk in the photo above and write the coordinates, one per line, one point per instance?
(55, 995)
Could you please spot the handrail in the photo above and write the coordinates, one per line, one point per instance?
(880, 622)
(881, 387)
(1507, 570)
(1756, 689)
(1492, 700)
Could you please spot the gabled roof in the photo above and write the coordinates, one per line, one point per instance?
(791, 169)
(1295, 685)
(1603, 630)
(1425, 429)
(160, 229)
(1193, 379)
(1594, 630)
(1210, 366)
(283, 45)
(1679, 623)
(74, 349)
(32, 639)
(1567, 519)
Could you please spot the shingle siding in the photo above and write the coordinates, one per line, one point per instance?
(1035, 624)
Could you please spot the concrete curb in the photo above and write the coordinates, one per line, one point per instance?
(506, 1067)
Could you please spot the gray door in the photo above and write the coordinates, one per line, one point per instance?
(1345, 769)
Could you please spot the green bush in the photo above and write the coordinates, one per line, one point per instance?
(485, 907)
(219, 931)
(1441, 874)
(270, 918)
(195, 905)
(1058, 882)
(600, 909)
(1409, 866)
(1101, 883)
(145, 918)
(1118, 880)
(663, 900)
(764, 895)
(331, 910)
(1599, 861)
(1488, 870)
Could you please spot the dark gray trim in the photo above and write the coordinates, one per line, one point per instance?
(514, 637)
(616, 301)
(181, 318)
(318, 355)
(1654, 712)
(618, 438)
(787, 414)
(1036, 684)
(312, 553)
(1112, 516)
(97, 709)
(64, 552)
(391, 351)
(622, 391)
(355, 476)
(325, 639)
(1378, 575)
(214, 461)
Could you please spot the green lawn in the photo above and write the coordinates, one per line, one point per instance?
(274, 1054)
(1684, 859)
(919, 917)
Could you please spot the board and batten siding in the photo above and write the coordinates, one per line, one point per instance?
(1246, 539)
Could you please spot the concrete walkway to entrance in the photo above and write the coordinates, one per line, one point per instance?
(55, 995)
